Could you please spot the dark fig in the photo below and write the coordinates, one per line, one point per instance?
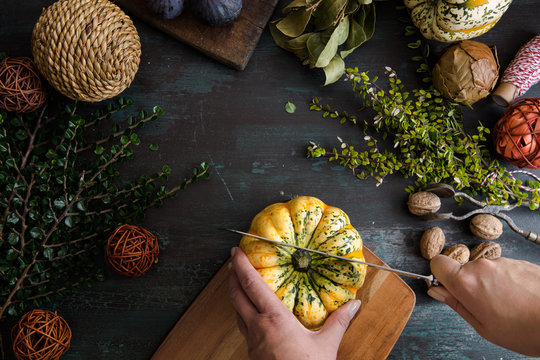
(216, 12)
(166, 9)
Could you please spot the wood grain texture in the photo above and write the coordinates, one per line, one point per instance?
(232, 45)
(208, 331)
(236, 121)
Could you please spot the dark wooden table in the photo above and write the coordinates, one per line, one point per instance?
(236, 121)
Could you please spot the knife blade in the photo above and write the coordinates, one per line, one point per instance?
(430, 279)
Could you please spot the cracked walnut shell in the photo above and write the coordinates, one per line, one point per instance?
(423, 202)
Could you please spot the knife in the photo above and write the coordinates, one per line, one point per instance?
(430, 279)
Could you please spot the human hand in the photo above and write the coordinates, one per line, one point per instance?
(499, 298)
(270, 329)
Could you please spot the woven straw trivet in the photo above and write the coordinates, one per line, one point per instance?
(88, 50)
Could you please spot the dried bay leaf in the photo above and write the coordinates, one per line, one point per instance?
(295, 45)
(279, 38)
(314, 30)
(298, 46)
(321, 52)
(361, 29)
(334, 70)
(294, 23)
(327, 13)
(352, 7)
(296, 4)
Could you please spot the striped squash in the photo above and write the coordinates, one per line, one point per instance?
(455, 20)
(310, 285)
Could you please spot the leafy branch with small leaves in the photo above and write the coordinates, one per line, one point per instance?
(428, 139)
(420, 44)
(61, 195)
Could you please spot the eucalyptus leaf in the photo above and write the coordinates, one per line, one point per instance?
(294, 23)
(334, 70)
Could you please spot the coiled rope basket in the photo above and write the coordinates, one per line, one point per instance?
(88, 50)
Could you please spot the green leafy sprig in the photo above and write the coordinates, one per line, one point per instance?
(427, 142)
(420, 44)
(61, 196)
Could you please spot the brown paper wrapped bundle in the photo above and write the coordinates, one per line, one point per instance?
(466, 72)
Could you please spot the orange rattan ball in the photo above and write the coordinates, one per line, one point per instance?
(40, 335)
(517, 133)
(131, 250)
(21, 89)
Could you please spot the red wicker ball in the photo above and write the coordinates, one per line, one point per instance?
(131, 250)
(517, 133)
(21, 88)
(40, 335)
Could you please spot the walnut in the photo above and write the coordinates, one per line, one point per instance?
(486, 250)
(458, 252)
(486, 226)
(432, 242)
(423, 202)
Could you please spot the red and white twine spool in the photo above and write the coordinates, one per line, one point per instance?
(521, 74)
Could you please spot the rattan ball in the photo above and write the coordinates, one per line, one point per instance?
(88, 50)
(517, 133)
(21, 89)
(131, 250)
(40, 335)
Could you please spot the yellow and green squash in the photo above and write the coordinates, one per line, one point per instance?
(455, 20)
(310, 285)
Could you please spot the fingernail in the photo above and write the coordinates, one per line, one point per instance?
(233, 251)
(355, 306)
(436, 294)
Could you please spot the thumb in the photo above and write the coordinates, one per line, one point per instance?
(445, 270)
(338, 322)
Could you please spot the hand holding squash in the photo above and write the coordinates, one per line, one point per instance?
(270, 329)
(311, 286)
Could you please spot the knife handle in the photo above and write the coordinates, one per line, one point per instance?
(432, 281)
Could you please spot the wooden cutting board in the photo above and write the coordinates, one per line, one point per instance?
(232, 44)
(207, 330)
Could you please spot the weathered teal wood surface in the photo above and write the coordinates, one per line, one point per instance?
(236, 121)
